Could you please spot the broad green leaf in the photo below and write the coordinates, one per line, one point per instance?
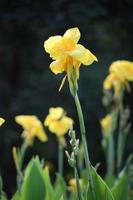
(110, 179)
(33, 187)
(3, 198)
(48, 186)
(16, 196)
(121, 188)
(61, 198)
(102, 192)
(60, 187)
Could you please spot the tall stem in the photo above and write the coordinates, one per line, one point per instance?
(83, 135)
(120, 149)
(60, 158)
(110, 155)
(121, 137)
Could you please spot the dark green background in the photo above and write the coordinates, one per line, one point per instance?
(27, 86)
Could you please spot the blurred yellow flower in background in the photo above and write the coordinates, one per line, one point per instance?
(67, 53)
(121, 72)
(106, 123)
(57, 121)
(73, 185)
(32, 128)
(1, 121)
(123, 69)
(112, 81)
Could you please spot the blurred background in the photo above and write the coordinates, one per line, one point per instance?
(27, 86)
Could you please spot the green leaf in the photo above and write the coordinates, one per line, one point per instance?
(102, 192)
(121, 188)
(48, 186)
(110, 179)
(60, 187)
(3, 198)
(33, 187)
(61, 198)
(16, 196)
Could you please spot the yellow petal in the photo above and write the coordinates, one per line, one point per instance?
(40, 133)
(26, 121)
(73, 185)
(54, 46)
(1, 121)
(83, 55)
(54, 115)
(73, 34)
(106, 123)
(32, 128)
(110, 80)
(127, 70)
(61, 127)
(57, 66)
(123, 69)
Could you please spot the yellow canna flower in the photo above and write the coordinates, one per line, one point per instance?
(32, 128)
(57, 121)
(106, 123)
(123, 69)
(67, 53)
(121, 72)
(1, 121)
(112, 81)
(73, 185)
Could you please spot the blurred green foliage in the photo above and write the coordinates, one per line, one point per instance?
(27, 86)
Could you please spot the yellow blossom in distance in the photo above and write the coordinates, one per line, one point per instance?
(32, 128)
(121, 72)
(1, 121)
(106, 123)
(73, 185)
(112, 81)
(123, 69)
(57, 121)
(67, 53)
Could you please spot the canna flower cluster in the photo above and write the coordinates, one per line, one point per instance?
(57, 121)
(1, 121)
(67, 53)
(120, 73)
(32, 128)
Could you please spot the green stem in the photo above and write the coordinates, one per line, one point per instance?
(83, 135)
(110, 150)
(110, 155)
(120, 150)
(22, 153)
(60, 158)
(78, 184)
(121, 137)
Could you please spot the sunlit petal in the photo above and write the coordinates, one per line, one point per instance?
(83, 55)
(57, 66)
(73, 34)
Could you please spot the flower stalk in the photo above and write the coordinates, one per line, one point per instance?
(110, 156)
(124, 127)
(83, 135)
(60, 157)
(73, 86)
